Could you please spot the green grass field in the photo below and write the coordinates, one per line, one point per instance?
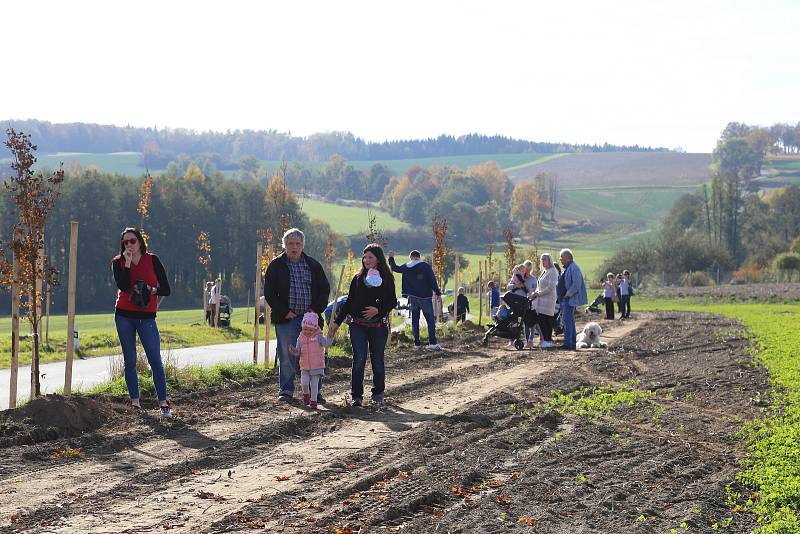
(126, 163)
(348, 220)
(399, 166)
(771, 468)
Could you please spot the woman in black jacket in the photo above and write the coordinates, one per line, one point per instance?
(369, 302)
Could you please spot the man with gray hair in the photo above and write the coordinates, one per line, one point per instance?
(571, 293)
(294, 284)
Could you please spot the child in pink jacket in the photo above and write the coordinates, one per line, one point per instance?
(310, 346)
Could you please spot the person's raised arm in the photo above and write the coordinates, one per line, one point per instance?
(122, 275)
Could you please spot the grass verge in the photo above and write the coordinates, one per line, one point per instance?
(772, 468)
(191, 378)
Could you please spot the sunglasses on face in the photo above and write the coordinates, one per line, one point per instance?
(132, 241)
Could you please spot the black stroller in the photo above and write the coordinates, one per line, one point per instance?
(225, 311)
(510, 327)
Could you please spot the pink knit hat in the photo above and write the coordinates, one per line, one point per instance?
(310, 319)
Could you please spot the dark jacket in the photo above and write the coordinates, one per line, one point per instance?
(276, 287)
(361, 296)
(418, 281)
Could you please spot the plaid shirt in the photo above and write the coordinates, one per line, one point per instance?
(299, 286)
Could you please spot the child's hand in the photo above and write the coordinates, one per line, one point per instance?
(293, 350)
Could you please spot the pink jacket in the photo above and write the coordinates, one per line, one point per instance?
(312, 351)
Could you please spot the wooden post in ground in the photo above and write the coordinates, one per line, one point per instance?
(455, 287)
(257, 285)
(267, 321)
(12, 401)
(47, 314)
(218, 285)
(480, 294)
(73, 266)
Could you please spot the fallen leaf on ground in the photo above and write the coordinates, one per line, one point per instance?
(13, 518)
(502, 499)
(455, 490)
(402, 475)
(515, 474)
(352, 466)
(281, 478)
(196, 472)
(526, 520)
(381, 498)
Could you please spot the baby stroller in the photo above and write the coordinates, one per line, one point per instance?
(225, 310)
(510, 326)
(594, 307)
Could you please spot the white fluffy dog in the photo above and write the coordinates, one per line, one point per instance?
(590, 337)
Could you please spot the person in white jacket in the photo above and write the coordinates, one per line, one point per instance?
(544, 300)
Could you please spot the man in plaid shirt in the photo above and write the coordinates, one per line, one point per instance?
(294, 284)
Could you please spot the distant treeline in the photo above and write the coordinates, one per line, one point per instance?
(234, 215)
(160, 146)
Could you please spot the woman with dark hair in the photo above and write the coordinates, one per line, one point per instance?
(370, 300)
(140, 277)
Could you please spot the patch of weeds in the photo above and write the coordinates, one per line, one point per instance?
(595, 402)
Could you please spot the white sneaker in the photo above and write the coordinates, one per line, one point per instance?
(418, 347)
(435, 347)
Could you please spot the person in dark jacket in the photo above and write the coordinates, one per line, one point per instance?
(140, 278)
(293, 285)
(419, 286)
(369, 302)
(463, 305)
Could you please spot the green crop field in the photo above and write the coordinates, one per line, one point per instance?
(771, 468)
(348, 220)
(399, 166)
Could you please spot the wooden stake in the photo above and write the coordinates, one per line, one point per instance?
(480, 294)
(73, 266)
(47, 314)
(12, 401)
(455, 289)
(336, 298)
(259, 254)
(267, 321)
(218, 283)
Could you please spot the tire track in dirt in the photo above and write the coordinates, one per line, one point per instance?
(101, 482)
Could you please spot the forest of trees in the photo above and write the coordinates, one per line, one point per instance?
(233, 215)
(730, 223)
(160, 146)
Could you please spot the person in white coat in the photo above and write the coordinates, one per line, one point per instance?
(544, 300)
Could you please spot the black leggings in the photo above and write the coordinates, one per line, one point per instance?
(546, 326)
(609, 307)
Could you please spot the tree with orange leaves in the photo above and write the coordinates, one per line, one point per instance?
(34, 196)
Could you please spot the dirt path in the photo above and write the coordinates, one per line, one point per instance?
(456, 422)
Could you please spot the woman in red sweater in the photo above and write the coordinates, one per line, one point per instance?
(140, 279)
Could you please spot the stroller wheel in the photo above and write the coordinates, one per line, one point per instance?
(519, 344)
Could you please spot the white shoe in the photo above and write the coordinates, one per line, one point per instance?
(435, 347)
(546, 345)
(418, 347)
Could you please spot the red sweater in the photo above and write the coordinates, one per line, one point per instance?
(151, 271)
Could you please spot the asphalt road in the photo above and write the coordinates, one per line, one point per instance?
(93, 371)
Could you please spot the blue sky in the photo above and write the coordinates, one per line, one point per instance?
(662, 74)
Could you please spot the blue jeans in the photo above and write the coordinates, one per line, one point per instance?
(286, 335)
(425, 306)
(625, 305)
(568, 314)
(370, 341)
(127, 328)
